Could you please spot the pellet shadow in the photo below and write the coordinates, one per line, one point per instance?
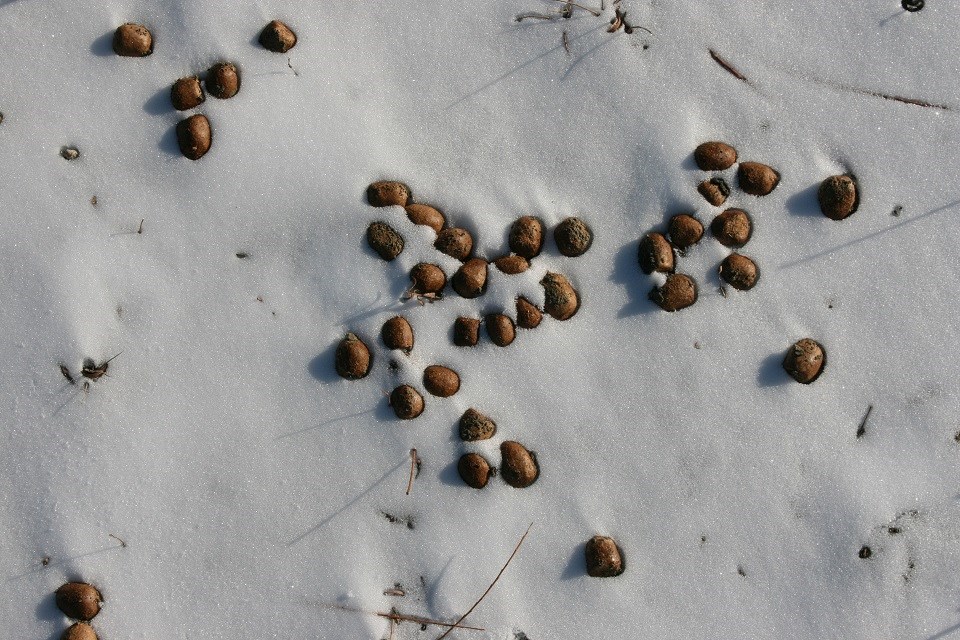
(103, 46)
(322, 368)
(168, 141)
(771, 372)
(626, 271)
(451, 477)
(47, 611)
(805, 203)
(159, 103)
(577, 564)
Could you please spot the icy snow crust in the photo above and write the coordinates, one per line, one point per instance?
(249, 481)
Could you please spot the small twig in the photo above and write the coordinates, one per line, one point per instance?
(122, 543)
(398, 617)
(726, 65)
(617, 21)
(289, 64)
(594, 12)
(396, 592)
(566, 43)
(537, 16)
(140, 228)
(913, 101)
(862, 429)
(414, 463)
(630, 27)
(475, 604)
(66, 374)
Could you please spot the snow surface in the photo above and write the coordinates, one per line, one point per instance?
(249, 481)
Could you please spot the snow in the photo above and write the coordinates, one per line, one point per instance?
(249, 482)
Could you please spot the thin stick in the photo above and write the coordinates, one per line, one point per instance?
(539, 16)
(726, 65)
(140, 228)
(397, 617)
(862, 429)
(413, 467)
(122, 543)
(580, 6)
(566, 43)
(913, 101)
(507, 564)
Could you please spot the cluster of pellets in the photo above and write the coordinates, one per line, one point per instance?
(222, 80)
(353, 357)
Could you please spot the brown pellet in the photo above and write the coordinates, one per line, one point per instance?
(500, 328)
(132, 40)
(678, 292)
(353, 358)
(685, 231)
(470, 280)
(79, 631)
(466, 332)
(560, 298)
(603, 556)
(277, 37)
(427, 278)
(528, 315)
(223, 80)
(838, 196)
(573, 237)
(526, 237)
(655, 254)
(426, 215)
(78, 600)
(511, 265)
(475, 426)
(715, 191)
(805, 360)
(187, 93)
(397, 334)
(739, 271)
(407, 402)
(715, 156)
(455, 242)
(732, 228)
(384, 240)
(474, 470)
(441, 381)
(756, 178)
(385, 193)
(194, 136)
(519, 467)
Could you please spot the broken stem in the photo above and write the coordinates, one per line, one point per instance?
(400, 617)
(413, 467)
(538, 16)
(594, 12)
(726, 65)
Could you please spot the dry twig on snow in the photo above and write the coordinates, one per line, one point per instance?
(475, 604)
